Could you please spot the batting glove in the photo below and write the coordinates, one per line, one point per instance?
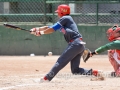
(39, 33)
(33, 30)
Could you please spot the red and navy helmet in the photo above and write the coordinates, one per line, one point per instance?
(111, 32)
(63, 10)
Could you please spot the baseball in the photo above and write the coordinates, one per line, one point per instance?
(50, 53)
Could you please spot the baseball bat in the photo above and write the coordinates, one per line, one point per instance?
(15, 27)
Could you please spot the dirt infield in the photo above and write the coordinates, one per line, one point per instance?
(21, 72)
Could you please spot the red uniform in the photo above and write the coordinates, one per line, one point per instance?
(114, 58)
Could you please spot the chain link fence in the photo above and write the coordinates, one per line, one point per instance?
(90, 12)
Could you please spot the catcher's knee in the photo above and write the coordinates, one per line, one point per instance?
(111, 52)
(110, 55)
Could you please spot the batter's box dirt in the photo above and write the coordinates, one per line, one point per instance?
(18, 73)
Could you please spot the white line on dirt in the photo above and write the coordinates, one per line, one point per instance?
(24, 75)
(21, 85)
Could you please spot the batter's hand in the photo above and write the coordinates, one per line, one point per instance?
(33, 30)
(37, 33)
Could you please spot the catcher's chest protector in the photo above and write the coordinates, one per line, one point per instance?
(118, 54)
(118, 51)
(112, 52)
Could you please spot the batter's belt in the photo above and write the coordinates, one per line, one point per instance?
(80, 41)
(74, 39)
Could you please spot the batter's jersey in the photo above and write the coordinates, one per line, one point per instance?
(69, 28)
(115, 45)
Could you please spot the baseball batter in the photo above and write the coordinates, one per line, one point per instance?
(113, 49)
(75, 48)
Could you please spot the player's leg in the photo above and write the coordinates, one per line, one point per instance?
(75, 63)
(69, 53)
(113, 62)
(111, 59)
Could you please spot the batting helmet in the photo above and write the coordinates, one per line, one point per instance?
(63, 10)
(111, 32)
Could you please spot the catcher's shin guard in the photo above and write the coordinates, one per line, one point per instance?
(112, 60)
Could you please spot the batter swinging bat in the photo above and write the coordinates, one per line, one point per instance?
(15, 27)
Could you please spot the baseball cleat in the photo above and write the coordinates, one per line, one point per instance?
(98, 75)
(97, 72)
(42, 80)
(113, 74)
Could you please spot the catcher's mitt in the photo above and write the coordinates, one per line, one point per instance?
(86, 54)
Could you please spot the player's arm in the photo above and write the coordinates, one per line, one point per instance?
(55, 27)
(111, 45)
(46, 29)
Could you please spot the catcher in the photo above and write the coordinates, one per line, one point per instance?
(75, 48)
(113, 48)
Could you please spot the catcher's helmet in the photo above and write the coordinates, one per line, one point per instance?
(63, 10)
(111, 32)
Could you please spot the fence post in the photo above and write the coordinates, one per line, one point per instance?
(53, 11)
(44, 12)
(97, 17)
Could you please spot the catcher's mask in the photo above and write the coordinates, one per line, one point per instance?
(112, 31)
(63, 10)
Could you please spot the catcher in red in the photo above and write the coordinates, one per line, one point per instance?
(113, 48)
